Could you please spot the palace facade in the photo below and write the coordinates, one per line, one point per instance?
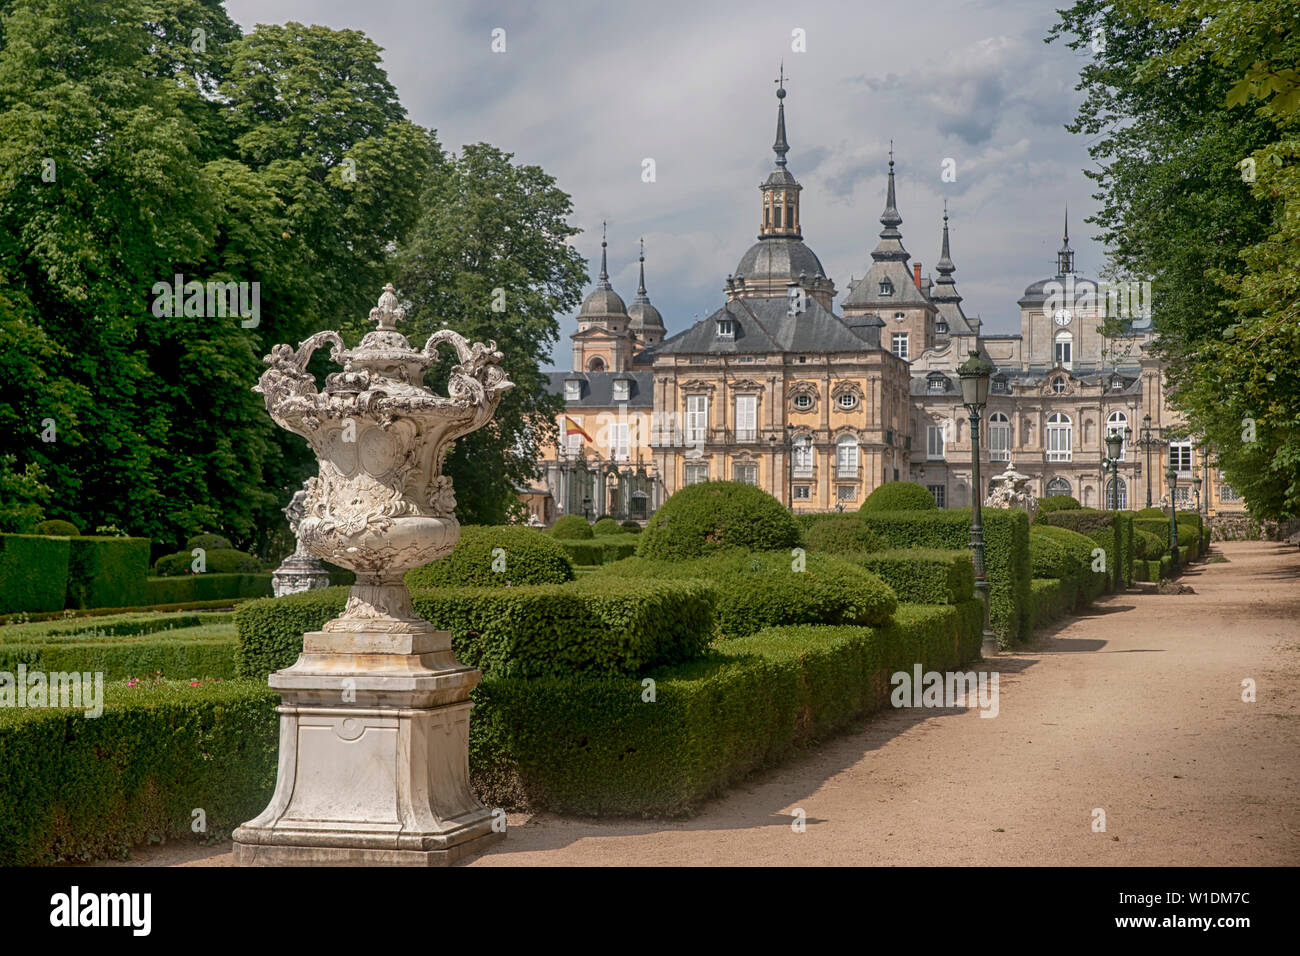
(819, 407)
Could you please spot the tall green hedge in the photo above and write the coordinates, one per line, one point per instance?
(1079, 548)
(1113, 530)
(1006, 555)
(107, 572)
(84, 789)
(923, 575)
(33, 572)
(597, 746)
(765, 589)
(590, 626)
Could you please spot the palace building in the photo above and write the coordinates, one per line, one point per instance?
(820, 406)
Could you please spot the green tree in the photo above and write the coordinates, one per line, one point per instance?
(493, 236)
(1190, 110)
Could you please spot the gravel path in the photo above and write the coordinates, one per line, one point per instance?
(1135, 708)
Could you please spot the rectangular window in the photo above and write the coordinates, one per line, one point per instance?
(999, 441)
(803, 492)
(746, 417)
(1063, 354)
(1228, 493)
(934, 442)
(697, 419)
(802, 455)
(745, 472)
(1059, 441)
(1180, 456)
(938, 492)
(846, 492)
(696, 474)
(572, 391)
(574, 442)
(1183, 496)
(898, 344)
(621, 390)
(846, 460)
(776, 209)
(618, 441)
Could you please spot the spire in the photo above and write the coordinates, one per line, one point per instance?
(890, 218)
(944, 266)
(1065, 257)
(604, 269)
(780, 147)
(640, 289)
(944, 291)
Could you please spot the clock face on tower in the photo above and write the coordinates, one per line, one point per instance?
(1062, 317)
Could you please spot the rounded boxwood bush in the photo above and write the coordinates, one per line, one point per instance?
(716, 515)
(1153, 513)
(1048, 558)
(209, 542)
(572, 528)
(526, 557)
(899, 496)
(606, 525)
(755, 590)
(843, 534)
(217, 561)
(1078, 547)
(55, 527)
(631, 527)
(1147, 546)
(1058, 503)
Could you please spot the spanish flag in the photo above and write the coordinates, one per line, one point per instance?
(572, 426)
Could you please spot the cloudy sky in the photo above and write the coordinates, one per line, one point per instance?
(589, 90)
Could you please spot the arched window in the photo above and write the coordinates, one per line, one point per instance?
(1118, 422)
(1057, 486)
(999, 437)
(846, 457)
(1059, 434)
(1116, 487)
(597, 364)
(1064, 348)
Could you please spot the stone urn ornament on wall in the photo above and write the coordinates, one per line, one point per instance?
(374, 723)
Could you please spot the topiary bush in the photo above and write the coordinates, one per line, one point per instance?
(1048, 557)
(1057, 503)
(209, 542)
(631, 527)
(58, 528)
(525, 556)
(1079, 549)
(572, 528)
(706, 518)
(1153, 513)
(899, 496)
(755, 590)
(606, 525)
(1148, 546)
(843, 534)
(923, 575)
(220, 561)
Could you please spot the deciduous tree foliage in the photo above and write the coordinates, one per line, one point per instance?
(1192, 110)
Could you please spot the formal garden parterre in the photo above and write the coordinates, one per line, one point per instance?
(638, 679)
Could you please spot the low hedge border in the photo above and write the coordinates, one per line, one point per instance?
(593, 746)
(121, 625)
(175, 656)
(94, 788)
(605, 549)
(593, 625)
(923, 575)
(207, 587)
(220, 603)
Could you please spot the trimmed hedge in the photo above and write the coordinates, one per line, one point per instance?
(594, 746)
(603, 550)
(1079, 548)
(1147, 546)
(91, 789)
(1048, 600)
(113, 625)
(702, 519)
(755, 590)
(1006, 554)
(1113, 530)
(526, 557)
(606, 525)
(209, 542)
(842, 534)
(107, 572)
(595, 626)
(923, 575)
(631, 527)
(33, 572)
(185, 588)
(219, 561)
(1054, 503)
(56, 527)
(175, 655)
(573, 527)
(899, 496)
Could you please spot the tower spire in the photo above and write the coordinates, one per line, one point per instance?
(780, 147)
(890, 218)
(640, 289)
(604, 270)
(1065, 257)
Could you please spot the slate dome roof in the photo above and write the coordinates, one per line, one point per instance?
(782, 258)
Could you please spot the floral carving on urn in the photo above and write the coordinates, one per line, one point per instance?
(380, 504)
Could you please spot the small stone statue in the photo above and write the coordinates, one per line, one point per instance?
(300, 571)
(1012, 491)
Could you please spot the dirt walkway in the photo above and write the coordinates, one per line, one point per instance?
(1135, 708)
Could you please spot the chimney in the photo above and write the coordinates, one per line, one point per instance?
(916, 274)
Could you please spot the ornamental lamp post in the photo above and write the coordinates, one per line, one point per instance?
(1172, 477)
(1114, 448)
(974, 374)
(1196, 489)
(1146, 444)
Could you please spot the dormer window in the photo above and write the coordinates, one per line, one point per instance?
(726, 329)
(941, 327)
(572, 390)
(1000, 386)
(886, 287)
(1116, 382)
(621, 387)
(1058, 385)
(937, 384)
(900, 316)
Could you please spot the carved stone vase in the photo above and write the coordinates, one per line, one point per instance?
(374, 719)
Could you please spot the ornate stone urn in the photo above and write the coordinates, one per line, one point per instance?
(374, 725)
(1012, 491)
(300, 571)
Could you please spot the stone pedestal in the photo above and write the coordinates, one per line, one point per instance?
(374, 765)
(298, 572)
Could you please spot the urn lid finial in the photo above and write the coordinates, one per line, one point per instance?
(388, 313)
